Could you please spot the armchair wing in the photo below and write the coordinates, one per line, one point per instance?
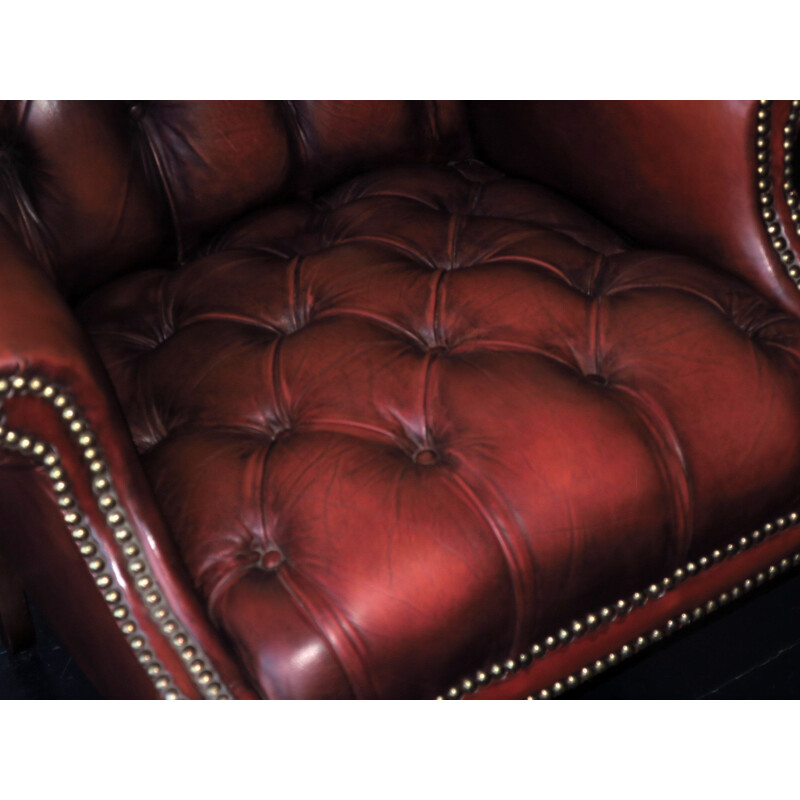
(711, 179)
(66, 453)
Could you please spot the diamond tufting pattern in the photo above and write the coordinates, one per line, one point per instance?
(403, 429)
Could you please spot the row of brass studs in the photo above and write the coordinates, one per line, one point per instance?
(202, 673)
(623, 607)
(765, 196)
(790, 132)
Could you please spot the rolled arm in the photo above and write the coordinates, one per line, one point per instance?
(710, 179)
(80, 521)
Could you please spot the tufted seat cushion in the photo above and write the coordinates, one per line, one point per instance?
(406, 429)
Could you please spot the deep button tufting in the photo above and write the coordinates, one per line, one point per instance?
(554, 489)
(426, 457)
(272, 559)
(281, 434)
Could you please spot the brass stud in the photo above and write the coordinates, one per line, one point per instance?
(102, 581)
(121, 612)
(162, 683)
(87, 549)
(189, 652)
(171, 694)
(537, 651)
(564, 635)
(205, 677)
(544, 695)
(72, 518)
(585, 673)
(625, 651)
(466, 685)
(122, 535)
(509, 664)
(137, 642)
(198, 666)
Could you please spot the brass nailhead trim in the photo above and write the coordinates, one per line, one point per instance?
(766, 200)
(108, 504)
(624, 606)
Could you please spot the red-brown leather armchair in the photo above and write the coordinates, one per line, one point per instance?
(393, 399)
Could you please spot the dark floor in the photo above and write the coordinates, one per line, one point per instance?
(750, 650)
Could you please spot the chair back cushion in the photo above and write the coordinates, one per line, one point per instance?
(96, 188)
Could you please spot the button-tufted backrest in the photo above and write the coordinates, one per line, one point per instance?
(97, 188)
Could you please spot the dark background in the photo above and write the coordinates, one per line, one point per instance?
(749, 650)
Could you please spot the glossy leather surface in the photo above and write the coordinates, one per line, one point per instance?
(397, 415)
(99, 188)
(405, 429)
(675, 174)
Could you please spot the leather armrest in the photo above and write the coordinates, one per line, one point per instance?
(704, 178)
(80, 521)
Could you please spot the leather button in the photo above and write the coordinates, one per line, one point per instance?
(426, 457)
(272, 559)
(281, 435)
(600, 380)
(438, 350)
(136, 111)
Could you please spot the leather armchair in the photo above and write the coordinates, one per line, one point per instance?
(393, 399)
